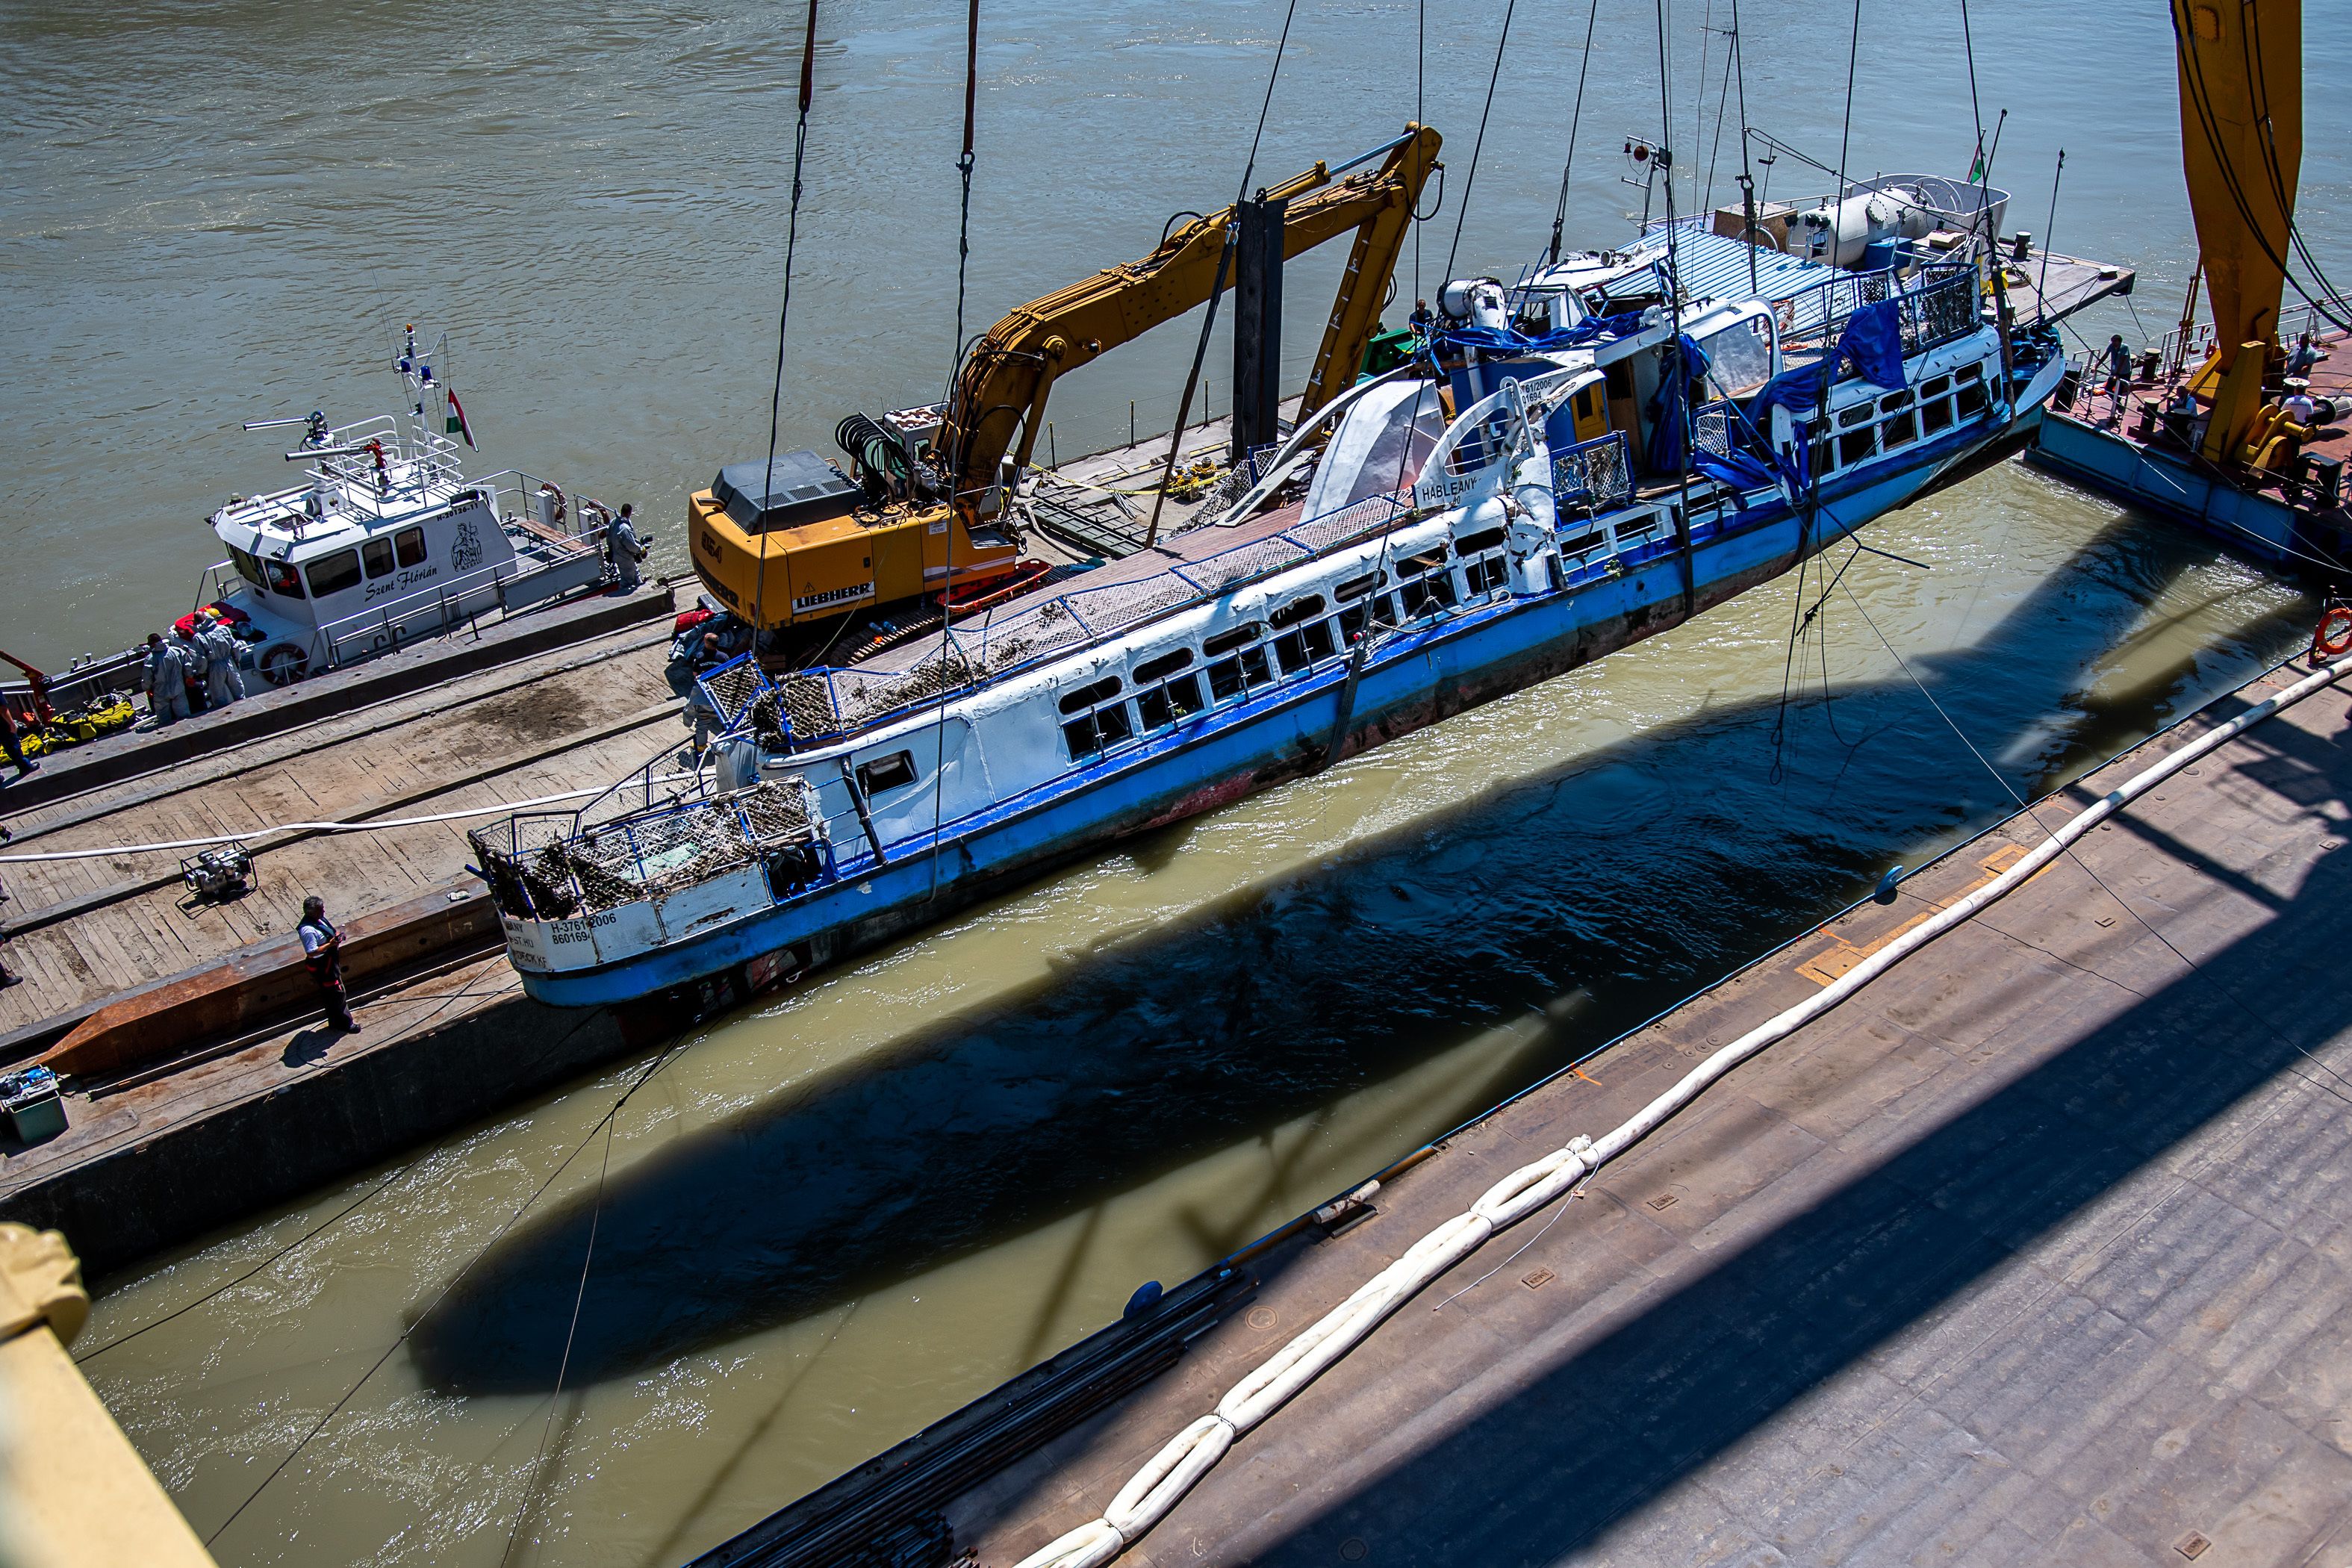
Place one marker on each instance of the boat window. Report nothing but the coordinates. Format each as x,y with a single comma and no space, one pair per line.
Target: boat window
883,774
1151,669
1163,705
1298,610
1895,400
1414,564
1739,357
1859,413
1936,388
1900,431
376,555
408,544
333,573
1227,641
1972,372
1582,542
1232,676
1435,591
1352,621
1824,456
248,567
1297,651
1357,587
1484,576
1091,733
1472,543
1087,696
1856,444
1936,416
1972,400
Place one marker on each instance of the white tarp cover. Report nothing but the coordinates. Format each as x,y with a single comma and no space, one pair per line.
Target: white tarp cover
1369,455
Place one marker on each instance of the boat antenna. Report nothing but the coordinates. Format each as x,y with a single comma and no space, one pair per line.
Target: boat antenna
1217,288
784,314
946,590
1471,184
2042,286
1575,119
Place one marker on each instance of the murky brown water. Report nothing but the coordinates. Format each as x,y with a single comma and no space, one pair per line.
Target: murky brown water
829,1221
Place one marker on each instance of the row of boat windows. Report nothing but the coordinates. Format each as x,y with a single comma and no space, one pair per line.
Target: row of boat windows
1294,636
333,573
1890,422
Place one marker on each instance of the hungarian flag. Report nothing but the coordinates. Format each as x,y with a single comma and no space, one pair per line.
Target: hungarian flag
456,423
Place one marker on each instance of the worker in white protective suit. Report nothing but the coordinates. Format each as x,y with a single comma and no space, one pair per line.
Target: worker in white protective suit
165,678
224,679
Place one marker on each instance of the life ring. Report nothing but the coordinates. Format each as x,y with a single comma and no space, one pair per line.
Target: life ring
2332,638
551,489
283,663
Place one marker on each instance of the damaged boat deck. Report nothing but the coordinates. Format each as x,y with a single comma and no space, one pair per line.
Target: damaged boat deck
2036,1250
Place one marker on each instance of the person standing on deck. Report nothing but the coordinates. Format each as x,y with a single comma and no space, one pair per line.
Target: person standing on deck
223,681
166,681
322,952
2303,356
199,662
623,549
2118,381
10,743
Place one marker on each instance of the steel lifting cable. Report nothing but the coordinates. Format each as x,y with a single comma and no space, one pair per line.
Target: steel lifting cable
1575,120
419,1321
785,312
1192,1453
946,594
1217,287
1471,182
110,850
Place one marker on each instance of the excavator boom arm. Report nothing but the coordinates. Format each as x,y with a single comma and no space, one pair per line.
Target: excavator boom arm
1001,391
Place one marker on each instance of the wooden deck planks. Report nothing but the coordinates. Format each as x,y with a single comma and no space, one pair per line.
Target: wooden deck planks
399,759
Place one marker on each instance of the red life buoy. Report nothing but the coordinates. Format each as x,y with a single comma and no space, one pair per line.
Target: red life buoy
2332,638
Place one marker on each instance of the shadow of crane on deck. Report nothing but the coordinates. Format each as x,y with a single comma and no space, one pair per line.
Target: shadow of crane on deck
1639,872
1561,1448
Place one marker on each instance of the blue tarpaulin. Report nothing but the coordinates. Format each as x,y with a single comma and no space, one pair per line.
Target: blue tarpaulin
1504,340
1872,342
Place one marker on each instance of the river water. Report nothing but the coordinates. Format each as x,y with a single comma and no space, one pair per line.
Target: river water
828,1220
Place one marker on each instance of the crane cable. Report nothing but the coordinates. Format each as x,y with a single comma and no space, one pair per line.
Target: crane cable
946,590
1471,182
785,313
1192,1453
1217,287
1575,120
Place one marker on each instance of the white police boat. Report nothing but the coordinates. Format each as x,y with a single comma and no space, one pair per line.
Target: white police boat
1572,463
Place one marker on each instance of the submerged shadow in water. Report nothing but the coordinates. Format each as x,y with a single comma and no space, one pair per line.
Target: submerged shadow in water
1637,872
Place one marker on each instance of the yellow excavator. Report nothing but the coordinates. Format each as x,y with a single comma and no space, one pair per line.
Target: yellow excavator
2241,64
922,508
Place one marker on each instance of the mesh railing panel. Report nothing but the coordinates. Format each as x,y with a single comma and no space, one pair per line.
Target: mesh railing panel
1348,523
1240,564
733,688
1597,473
622,862
1032,633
